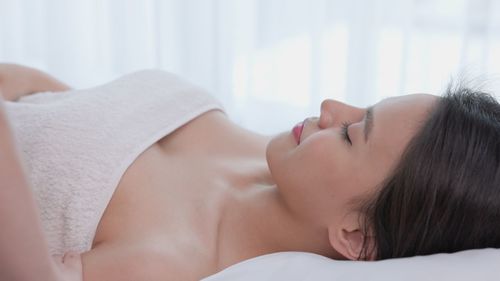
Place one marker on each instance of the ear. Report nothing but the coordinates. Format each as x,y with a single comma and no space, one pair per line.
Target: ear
348,240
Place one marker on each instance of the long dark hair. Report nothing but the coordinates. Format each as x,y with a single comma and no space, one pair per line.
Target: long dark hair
444,196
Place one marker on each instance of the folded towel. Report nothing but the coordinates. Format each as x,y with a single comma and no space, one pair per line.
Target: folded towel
76,145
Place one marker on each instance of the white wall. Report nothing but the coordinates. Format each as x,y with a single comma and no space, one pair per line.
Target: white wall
271,62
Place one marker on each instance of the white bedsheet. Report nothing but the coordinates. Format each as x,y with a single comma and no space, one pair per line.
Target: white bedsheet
298,266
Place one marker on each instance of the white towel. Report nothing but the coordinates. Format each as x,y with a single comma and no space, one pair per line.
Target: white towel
76,145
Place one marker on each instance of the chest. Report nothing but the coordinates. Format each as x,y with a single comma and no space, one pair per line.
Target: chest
174,193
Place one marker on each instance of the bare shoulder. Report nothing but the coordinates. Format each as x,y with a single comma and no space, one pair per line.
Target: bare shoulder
213,132
18,80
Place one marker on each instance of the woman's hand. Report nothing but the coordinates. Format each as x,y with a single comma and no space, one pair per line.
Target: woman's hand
17,81
69,266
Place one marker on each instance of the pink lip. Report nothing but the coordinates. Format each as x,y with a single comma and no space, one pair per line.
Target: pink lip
297,131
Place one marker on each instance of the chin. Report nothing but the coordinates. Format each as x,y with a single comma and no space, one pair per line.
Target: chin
279,144
278,150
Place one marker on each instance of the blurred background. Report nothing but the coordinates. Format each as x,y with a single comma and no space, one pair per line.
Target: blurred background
270,62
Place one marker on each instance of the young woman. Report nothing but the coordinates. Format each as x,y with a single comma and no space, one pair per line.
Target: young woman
147,179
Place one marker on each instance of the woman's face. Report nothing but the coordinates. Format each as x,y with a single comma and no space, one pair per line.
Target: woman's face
319,175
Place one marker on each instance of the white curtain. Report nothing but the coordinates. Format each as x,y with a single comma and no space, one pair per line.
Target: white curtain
271,62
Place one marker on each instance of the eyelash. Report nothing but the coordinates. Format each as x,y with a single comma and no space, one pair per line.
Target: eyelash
345,135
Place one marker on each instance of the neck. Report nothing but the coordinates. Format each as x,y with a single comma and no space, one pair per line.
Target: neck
257,222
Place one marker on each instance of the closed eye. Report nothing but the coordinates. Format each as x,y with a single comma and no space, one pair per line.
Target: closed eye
345,133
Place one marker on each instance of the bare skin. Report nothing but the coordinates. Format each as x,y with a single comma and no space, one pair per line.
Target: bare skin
213,194
186,166
205,196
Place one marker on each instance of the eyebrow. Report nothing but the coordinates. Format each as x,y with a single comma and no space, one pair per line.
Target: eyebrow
368,122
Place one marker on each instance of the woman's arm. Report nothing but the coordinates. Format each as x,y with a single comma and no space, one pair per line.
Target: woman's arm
17,81
24,252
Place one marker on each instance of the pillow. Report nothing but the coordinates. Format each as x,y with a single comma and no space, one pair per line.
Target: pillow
483,264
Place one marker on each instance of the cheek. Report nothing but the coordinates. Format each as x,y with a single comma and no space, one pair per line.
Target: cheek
324,179
336,178
322,161
324,158
314,178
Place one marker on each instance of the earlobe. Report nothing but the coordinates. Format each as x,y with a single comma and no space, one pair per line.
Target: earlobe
349,243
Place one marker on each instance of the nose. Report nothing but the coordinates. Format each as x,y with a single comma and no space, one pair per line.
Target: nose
334,112
328,109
